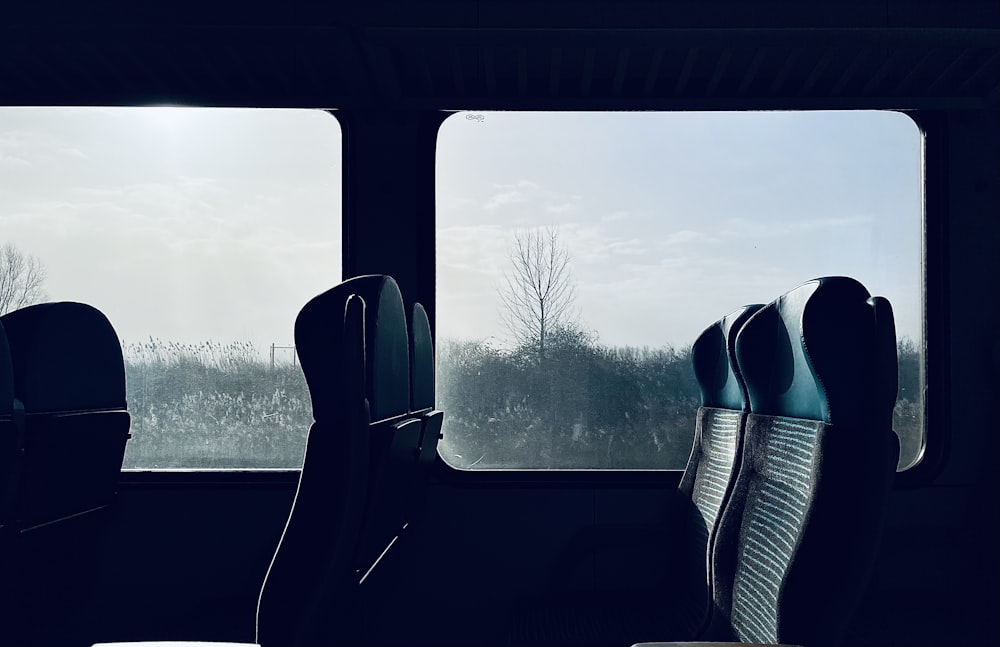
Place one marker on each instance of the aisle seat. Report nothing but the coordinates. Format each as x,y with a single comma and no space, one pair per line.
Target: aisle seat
799,536
680,608
69,377
352,343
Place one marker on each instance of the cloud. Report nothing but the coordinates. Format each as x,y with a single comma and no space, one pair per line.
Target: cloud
558,209
28,149
688,236
593,245
632,247
507,194
481,249
615,216
72,152
750,228
520,184
12,160
505,198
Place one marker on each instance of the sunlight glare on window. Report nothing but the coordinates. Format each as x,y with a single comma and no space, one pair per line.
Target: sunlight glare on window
199,232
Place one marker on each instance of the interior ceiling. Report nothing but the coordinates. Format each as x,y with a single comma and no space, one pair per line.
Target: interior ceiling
506,55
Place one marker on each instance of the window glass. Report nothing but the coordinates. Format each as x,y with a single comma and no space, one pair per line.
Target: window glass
581,254
199,233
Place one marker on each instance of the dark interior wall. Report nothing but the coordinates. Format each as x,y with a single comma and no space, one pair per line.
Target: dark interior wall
936,581
184,558
389,167
185,555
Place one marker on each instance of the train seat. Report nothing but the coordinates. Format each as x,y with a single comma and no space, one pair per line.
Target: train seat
352,343
395,451
354,352
406,455
10,439
710,469
799,535
681,609
69,377
422,397
400,488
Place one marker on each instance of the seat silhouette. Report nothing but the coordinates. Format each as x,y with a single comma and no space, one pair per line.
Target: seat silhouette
354,352
799,535
11,431
680,610
352,343
706,483
402,452
422,394
394,480
69,377
404,455
710,469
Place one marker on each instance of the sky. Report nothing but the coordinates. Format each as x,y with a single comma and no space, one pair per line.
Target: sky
185,225
191,225
672,220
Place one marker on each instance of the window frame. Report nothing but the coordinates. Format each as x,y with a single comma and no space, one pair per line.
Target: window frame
935,356
201,475
934,363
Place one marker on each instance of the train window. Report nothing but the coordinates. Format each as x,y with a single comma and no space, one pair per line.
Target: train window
199,233
580,254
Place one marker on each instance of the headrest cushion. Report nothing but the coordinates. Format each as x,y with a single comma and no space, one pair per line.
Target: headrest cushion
886,358
66,357
811,353
421,360
714,359
6,377
320,340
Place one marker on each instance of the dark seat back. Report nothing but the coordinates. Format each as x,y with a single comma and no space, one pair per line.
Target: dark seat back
10,440
69,376
799,533
353,349
422,393
705,484
407,452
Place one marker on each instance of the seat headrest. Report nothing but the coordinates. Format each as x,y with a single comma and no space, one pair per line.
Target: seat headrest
321,343
66,357
818,352
6,377
886,358
714,359
421,360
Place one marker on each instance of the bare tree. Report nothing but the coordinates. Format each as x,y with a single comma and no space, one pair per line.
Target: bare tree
22,279
539,294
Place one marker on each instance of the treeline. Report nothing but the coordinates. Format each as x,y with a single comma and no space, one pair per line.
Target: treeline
585,405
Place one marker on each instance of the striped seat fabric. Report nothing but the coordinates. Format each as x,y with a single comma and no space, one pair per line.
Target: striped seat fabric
709,471
799,534
782,461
